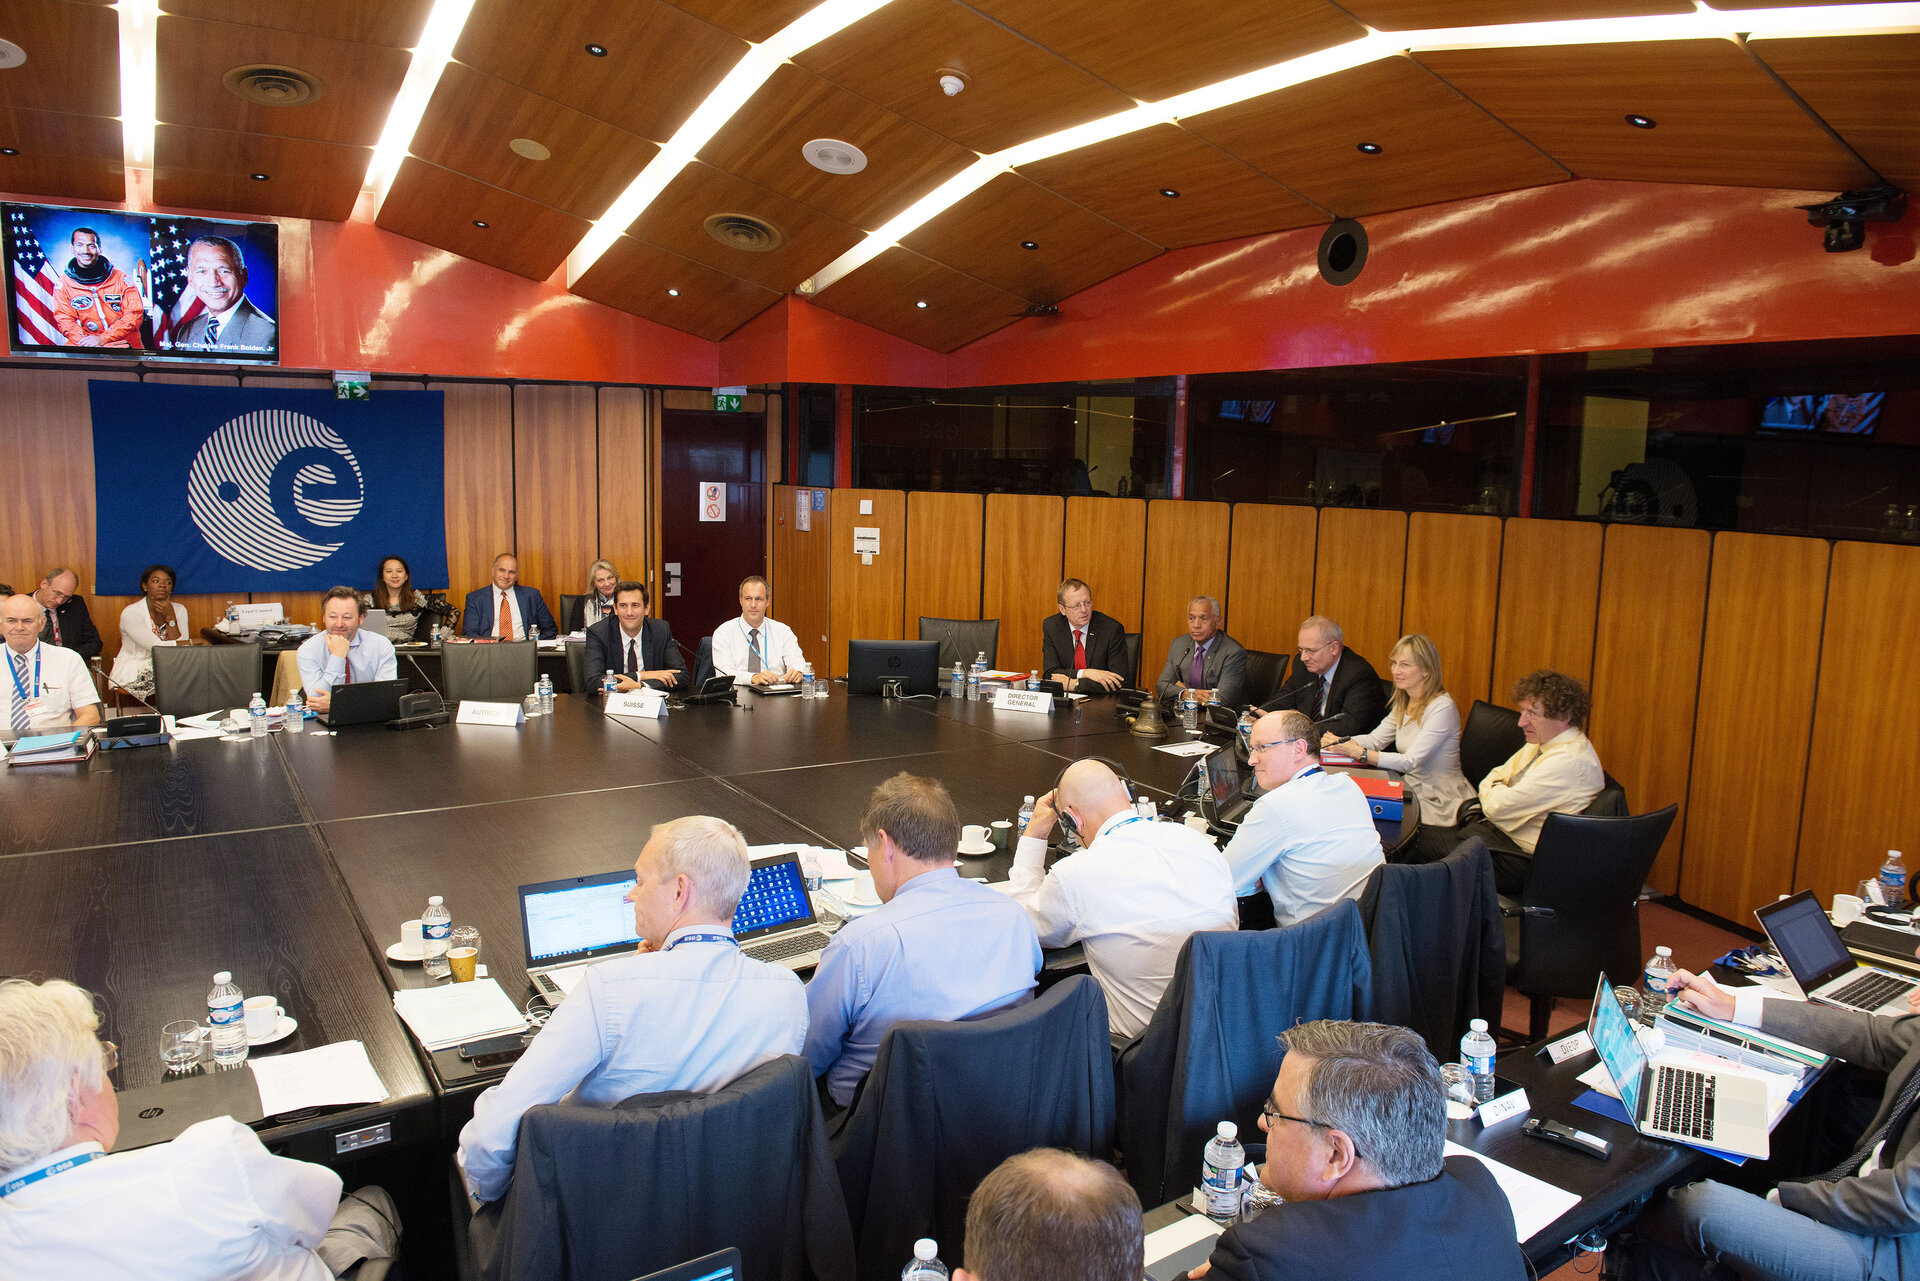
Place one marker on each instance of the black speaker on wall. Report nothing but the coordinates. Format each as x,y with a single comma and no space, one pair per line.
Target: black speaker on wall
1343,251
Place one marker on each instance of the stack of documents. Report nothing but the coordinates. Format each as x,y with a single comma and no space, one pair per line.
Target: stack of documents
52,749
331,1076
455,1013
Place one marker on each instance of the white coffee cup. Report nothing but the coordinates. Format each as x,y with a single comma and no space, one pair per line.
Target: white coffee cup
1197,822
863,888
262,1015
410,937
1847,908
973,834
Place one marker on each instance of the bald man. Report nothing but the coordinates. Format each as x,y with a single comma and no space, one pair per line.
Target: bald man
1132,896
45,686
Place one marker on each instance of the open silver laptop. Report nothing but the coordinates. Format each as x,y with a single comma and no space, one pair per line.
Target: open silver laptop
376,622
1721,1110
775,921
1799,930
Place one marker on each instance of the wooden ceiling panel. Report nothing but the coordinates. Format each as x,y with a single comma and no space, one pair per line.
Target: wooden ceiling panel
753,20
1416,15
1863,87
660,63
1219,197
763,142
635,277
71,157
472,118
1015,91
983,235
358,82
73,57
1154,49
439,207
1436,146
884,294
210,168
396,24
676,221
1720,119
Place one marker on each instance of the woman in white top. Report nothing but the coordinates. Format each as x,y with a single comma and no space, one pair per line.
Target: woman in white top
156,620
1423,729
598,602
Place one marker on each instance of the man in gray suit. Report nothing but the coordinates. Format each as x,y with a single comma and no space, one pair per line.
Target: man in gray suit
218,273
1205,660
1858,1219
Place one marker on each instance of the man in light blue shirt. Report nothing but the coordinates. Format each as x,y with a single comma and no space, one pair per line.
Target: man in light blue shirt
343,653
685,1012
939,947
1310,839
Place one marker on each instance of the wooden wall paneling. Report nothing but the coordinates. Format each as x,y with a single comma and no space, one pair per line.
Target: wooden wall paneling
46,460
797,569
555,492
1106,547
626,425
1270,588
1549,591
1359,567
1856,812
1646,669
1021,570
1758,661
479,482
864,600
1186,557
943,558
1453,595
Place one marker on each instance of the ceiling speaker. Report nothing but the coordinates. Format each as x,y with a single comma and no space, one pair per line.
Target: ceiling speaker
11,54
834,156
266,85
744,231
1343,252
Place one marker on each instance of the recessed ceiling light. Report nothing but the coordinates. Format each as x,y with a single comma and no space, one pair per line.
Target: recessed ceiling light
480,223
258,177
834,156
921,305
1370,148
1029,244
9,151
1641,122
1169,193
528,149
11,54
597,50
673,293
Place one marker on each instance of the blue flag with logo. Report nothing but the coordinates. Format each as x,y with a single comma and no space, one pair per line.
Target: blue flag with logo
250,490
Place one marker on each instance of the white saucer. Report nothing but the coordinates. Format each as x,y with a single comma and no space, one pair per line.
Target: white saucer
286,1028
851,901
401,952
984,847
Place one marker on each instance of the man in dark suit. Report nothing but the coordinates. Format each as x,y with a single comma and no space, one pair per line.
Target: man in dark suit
505,610
1356,1127
638,650
1206,660
67,622
1335,687
1857,1219
1083,649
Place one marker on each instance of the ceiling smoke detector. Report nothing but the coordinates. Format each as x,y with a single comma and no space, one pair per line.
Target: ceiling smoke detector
744,232
952,83
266,85
11,54
834,156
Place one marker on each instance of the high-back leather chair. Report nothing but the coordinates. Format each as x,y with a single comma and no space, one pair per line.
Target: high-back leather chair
565,616
1490,736
703,663
498,673
577,668
1132,674
1265,672
190,680
1439,952
962,638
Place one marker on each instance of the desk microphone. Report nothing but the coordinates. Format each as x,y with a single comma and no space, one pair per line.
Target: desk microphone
419,710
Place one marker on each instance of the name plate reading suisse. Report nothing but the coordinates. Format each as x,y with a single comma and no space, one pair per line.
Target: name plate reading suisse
1023,700
650,703
473,712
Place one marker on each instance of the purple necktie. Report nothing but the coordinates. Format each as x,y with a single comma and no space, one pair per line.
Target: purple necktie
1198,671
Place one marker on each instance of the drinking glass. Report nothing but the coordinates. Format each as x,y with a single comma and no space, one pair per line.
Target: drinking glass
180,1045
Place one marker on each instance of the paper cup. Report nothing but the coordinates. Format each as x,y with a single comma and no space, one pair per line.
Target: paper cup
462,960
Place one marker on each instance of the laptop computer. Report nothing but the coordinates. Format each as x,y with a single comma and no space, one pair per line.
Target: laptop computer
375,621
721,1265
363,703
570,923
1665,1100
775,921
1799,930
1223,790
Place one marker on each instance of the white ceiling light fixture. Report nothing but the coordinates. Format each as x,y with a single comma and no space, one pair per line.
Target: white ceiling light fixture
139,21
831,155
430,59
11,55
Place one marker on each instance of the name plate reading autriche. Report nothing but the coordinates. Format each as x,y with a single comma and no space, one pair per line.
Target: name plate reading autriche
1023,700
473,712
650,703
1504,1108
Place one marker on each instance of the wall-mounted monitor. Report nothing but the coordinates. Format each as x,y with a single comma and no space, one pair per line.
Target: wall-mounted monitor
106,284
1847,413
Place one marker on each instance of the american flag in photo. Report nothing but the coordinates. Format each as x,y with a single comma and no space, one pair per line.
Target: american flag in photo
33,284
175,304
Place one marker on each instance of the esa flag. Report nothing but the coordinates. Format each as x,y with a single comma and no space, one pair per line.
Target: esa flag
265,490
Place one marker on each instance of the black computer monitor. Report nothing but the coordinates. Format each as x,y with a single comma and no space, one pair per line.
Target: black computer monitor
914,663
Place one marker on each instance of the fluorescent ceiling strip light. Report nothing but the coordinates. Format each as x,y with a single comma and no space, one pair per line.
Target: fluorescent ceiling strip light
753,70
139,22
430,59
1702,24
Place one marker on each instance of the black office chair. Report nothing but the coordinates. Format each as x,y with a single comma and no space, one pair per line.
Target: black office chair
703,663
1132,674
565,616
1265,674
189,680
577,667
1612,801
1439,953
962,638
1490,736
1579,914
498,673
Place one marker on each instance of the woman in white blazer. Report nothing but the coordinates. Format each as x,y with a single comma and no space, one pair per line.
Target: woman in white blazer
1422,728
157,619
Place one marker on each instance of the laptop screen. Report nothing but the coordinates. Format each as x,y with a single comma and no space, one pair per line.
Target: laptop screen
577,918
1618,1047
1808,943
776,898
1223,777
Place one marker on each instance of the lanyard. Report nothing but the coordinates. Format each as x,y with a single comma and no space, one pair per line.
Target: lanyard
1127,822
13,670
758,652
701,938
1306,773
47,1172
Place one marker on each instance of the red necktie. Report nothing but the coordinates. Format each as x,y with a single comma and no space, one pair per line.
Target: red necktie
505,628
1079,649
633,665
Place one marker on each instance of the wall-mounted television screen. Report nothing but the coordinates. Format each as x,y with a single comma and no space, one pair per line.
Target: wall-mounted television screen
102,283
1848,413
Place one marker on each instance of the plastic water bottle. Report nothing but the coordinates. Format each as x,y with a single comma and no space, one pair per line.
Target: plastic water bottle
1220,1173
1026,816
979,670
436,926
226,1021
1893,880
610,683
806,680
296,719
1656,984
1189,712
546,694
257,716
925,1265
957,690
233,617
1476,1052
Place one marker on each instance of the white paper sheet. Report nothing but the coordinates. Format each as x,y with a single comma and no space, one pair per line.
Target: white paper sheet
1178,1236
1535,1202
1192,748
455,1013
326,1077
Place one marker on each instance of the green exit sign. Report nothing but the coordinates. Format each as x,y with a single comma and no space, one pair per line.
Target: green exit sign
729,400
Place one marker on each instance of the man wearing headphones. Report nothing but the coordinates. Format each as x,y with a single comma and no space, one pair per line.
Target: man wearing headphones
1133,895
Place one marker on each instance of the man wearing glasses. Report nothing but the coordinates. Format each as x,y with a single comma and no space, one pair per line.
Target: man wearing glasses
1310,838
1356,1126
1337,689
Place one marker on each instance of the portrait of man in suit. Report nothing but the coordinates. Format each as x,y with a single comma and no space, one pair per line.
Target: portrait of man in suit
217,272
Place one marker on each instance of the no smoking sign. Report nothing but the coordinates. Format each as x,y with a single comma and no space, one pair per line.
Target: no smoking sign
713,500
